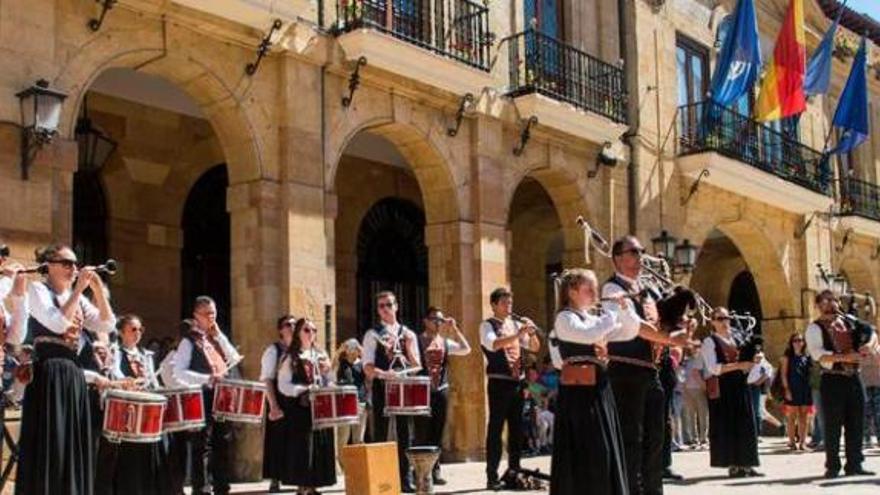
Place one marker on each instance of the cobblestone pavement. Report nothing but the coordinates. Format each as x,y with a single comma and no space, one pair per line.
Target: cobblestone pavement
786,473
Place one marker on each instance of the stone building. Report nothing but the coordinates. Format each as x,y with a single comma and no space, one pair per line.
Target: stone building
439,148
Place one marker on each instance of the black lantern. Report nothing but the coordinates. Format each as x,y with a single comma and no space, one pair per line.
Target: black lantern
840,285
664,245
94,146
40,116
686,256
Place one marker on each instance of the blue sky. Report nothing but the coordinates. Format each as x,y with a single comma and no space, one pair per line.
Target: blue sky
870,7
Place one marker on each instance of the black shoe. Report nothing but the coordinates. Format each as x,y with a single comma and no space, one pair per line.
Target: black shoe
407,488
830,474
494,485
751,473
858,471
736,472
438,480
274,487
669,474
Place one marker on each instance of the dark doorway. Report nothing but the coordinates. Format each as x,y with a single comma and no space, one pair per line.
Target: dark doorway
392,256
205,255
89,218
744,297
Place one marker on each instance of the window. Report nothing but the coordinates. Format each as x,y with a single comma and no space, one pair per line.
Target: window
691,59
545,16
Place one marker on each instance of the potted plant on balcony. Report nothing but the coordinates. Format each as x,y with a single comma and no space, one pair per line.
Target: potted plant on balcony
844,48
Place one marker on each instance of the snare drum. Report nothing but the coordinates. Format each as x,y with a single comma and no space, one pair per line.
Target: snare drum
240,401
133,416
334,405
185,409
408,396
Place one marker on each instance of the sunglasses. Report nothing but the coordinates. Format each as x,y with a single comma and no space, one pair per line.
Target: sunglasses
721,318
310,330
386,305
63,262
797,340
137,329
634,251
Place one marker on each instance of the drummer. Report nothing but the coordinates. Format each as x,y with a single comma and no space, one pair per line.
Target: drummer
205,357
309,460
388,348
130,468
440,339
273,440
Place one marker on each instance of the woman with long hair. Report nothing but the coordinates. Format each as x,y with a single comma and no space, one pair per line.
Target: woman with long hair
587,442
56,444
309,458
798,398
733,438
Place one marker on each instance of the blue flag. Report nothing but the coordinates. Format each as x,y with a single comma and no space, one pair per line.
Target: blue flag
852,109
818,76
740,59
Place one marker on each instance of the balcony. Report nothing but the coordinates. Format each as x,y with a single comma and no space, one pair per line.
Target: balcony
566,88
751,159
860,205
441,43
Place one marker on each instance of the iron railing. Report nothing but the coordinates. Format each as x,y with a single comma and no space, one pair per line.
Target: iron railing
707,126
858,197
458,29
542,64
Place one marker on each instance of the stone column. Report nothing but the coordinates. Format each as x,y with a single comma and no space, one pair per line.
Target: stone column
256,217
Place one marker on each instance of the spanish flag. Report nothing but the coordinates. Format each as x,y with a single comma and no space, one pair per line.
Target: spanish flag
782,89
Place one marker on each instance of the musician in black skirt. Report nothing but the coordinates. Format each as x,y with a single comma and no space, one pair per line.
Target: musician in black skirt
56,444
733,439
273,440
129,468
440,339
587,442
633,371
309,458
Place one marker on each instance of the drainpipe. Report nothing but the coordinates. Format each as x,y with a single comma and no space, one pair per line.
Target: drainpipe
632,108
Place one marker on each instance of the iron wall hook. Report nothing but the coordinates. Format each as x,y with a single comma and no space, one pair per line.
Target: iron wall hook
354,81
251,68
525,135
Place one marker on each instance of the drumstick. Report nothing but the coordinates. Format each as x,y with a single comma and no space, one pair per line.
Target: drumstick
407,371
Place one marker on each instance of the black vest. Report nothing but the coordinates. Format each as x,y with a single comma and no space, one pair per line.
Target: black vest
83,356
198,361
125,364
381,360
637,348
86,357
496,361
571,349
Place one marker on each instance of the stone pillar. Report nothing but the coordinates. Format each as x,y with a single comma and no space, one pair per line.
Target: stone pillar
256,251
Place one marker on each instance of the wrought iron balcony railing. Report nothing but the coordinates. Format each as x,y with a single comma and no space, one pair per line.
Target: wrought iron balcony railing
458,29
707,126
542,64
858,197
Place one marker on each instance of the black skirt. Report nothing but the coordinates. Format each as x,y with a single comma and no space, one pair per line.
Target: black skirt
132,469
273,447
733,440
309,456
56,443
587,443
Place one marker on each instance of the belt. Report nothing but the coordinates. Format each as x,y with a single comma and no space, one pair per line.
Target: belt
586,359
501,376
853,372
633,361
47,339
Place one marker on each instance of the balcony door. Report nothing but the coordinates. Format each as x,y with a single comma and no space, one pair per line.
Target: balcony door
545,50
692,67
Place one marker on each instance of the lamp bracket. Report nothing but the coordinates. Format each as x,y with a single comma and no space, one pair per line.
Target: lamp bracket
695,186
466,101
95,24
800,231
32,140
845,240
251,68
525,135
354,81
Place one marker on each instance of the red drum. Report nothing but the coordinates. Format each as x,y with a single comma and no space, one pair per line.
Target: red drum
334,405
408,396
133,416
239,400
185,409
